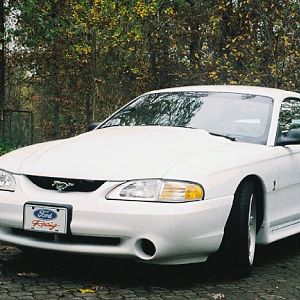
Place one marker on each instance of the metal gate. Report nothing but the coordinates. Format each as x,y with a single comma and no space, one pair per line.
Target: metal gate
17,127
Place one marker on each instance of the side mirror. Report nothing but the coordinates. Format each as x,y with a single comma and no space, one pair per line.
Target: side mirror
287,140
93,126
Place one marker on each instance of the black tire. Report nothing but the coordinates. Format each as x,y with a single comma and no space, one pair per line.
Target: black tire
237,249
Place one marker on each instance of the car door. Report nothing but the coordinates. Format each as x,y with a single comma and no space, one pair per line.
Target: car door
284,212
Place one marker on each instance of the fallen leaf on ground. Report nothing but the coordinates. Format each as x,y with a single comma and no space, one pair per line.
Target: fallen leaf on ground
30,274
85,291
97,288
7,248
218,296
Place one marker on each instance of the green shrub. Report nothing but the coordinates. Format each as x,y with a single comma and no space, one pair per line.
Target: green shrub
4,148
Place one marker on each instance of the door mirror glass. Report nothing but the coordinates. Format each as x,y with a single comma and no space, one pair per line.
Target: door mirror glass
93,126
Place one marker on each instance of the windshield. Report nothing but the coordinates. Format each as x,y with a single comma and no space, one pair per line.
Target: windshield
241,117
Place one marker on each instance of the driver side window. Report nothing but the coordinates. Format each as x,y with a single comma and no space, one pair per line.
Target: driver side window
289,117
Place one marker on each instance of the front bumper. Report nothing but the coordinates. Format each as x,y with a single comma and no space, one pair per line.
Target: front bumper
162,233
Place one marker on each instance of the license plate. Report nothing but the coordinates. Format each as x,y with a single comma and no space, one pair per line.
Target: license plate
45,218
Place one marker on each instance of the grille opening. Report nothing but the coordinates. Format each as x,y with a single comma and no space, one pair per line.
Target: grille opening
70,185
68,238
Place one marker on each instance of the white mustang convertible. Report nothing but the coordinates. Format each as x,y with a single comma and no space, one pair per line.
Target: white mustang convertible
171,178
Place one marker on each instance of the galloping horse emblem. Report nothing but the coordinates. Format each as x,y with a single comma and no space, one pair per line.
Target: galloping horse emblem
61,186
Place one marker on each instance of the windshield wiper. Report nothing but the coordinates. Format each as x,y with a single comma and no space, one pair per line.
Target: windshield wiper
107,126
226,136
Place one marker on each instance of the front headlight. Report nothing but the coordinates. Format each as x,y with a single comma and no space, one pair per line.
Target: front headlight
157,190
7,181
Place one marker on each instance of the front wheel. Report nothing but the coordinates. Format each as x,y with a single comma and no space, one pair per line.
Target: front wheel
236,253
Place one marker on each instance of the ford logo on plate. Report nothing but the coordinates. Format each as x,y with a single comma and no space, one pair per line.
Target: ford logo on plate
45,214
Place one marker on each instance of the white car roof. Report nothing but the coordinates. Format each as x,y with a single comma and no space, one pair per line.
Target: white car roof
263,91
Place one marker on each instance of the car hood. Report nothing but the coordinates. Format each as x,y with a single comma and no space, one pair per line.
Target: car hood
120,153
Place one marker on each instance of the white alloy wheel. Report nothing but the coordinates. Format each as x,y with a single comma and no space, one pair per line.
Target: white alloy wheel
252,229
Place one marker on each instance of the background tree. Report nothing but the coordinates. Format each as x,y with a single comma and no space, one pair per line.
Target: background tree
74,62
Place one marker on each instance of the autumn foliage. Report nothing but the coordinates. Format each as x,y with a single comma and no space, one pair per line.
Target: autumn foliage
74,62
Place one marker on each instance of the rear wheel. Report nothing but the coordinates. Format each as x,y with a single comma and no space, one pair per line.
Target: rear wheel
236,253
